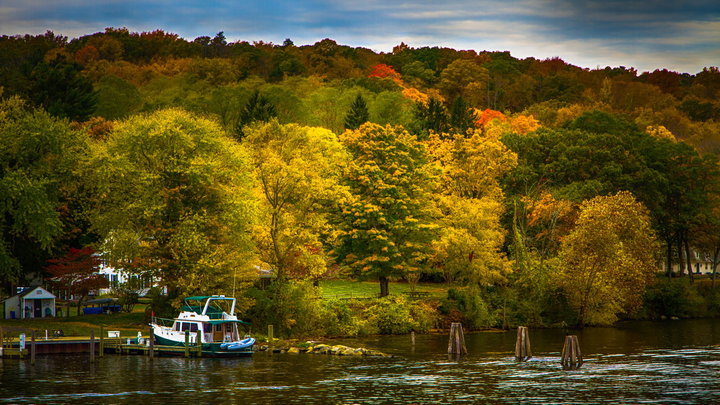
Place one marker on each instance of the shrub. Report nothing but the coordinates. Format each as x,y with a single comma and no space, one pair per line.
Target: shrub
475,311
396,315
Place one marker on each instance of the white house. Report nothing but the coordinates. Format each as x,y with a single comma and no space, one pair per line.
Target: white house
32,302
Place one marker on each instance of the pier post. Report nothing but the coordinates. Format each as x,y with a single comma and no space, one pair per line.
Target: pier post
270,334
198,342
102,341
92,345
187,343
522,345
151,343
571,357
456,343
32,348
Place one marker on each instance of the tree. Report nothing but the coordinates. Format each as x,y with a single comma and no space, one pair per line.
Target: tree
386,222
470,205
62,90
464,78
461,116
298,171
173,200
258,108
358,113
431,117
76,273
608,258
38,156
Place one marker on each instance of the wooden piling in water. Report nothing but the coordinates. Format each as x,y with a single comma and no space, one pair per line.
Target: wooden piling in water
571,357
92,345
102,342
187,343
522,344
151,344
32,347
198,343
270,333
456,342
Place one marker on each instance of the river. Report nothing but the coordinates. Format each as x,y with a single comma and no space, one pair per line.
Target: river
638,362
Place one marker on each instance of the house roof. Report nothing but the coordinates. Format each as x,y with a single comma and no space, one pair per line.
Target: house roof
28,291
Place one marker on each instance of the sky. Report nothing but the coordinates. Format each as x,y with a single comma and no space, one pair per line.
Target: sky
678,35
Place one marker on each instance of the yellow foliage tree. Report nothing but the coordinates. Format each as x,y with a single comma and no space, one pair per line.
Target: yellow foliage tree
471,205
298,170
608,258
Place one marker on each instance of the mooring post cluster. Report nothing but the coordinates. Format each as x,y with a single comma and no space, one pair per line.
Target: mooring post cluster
571,357
522,344
456,344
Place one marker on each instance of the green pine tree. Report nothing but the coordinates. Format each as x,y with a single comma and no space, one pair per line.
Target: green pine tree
258,108
358,113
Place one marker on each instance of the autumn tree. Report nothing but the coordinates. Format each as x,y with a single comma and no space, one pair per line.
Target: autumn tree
173,200
76,273
471,205
358,113
38,156
298,171
386,222
608,258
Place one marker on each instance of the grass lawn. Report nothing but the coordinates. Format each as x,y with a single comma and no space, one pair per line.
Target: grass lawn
366,289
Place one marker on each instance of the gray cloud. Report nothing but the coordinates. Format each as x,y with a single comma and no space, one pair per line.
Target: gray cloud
683,36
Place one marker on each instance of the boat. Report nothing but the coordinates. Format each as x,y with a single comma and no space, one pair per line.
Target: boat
211,319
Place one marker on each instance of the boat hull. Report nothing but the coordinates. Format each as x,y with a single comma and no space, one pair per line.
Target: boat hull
208,349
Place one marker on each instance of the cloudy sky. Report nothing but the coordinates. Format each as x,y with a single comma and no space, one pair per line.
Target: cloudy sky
678,35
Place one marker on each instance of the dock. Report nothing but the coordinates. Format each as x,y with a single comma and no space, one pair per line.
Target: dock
11,347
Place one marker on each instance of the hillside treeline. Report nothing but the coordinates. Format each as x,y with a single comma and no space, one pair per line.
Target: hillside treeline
543,192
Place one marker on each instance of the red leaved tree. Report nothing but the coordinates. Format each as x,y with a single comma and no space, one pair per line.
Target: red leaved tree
76,274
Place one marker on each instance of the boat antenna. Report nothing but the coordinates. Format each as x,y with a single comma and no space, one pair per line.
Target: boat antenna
234,274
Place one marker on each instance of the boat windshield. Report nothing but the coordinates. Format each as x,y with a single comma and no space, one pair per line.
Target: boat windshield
212,306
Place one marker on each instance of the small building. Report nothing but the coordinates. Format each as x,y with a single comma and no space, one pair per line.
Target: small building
32,302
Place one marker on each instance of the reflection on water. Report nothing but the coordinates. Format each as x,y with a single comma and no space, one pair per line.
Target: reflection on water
671,362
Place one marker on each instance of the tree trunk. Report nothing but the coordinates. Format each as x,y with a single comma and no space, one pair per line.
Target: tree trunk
681,260
689,259
384,286
668,268
716,256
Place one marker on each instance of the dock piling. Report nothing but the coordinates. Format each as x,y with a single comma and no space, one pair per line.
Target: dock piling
522,345
92,345
187,343
102,342
198,343
32,348
151,343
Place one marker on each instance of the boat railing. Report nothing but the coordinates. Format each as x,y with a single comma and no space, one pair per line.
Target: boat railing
167,322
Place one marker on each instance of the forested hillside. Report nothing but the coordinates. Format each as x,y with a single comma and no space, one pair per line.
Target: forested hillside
540,192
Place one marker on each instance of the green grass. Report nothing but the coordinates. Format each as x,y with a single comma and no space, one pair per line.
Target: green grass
367,289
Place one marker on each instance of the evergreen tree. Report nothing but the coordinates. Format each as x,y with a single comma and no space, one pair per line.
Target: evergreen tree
432,116
258,108
358,113
62,90
461,119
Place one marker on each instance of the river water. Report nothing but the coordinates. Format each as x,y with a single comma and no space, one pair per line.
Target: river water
673,362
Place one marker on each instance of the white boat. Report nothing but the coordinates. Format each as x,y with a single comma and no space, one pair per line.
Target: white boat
211,319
